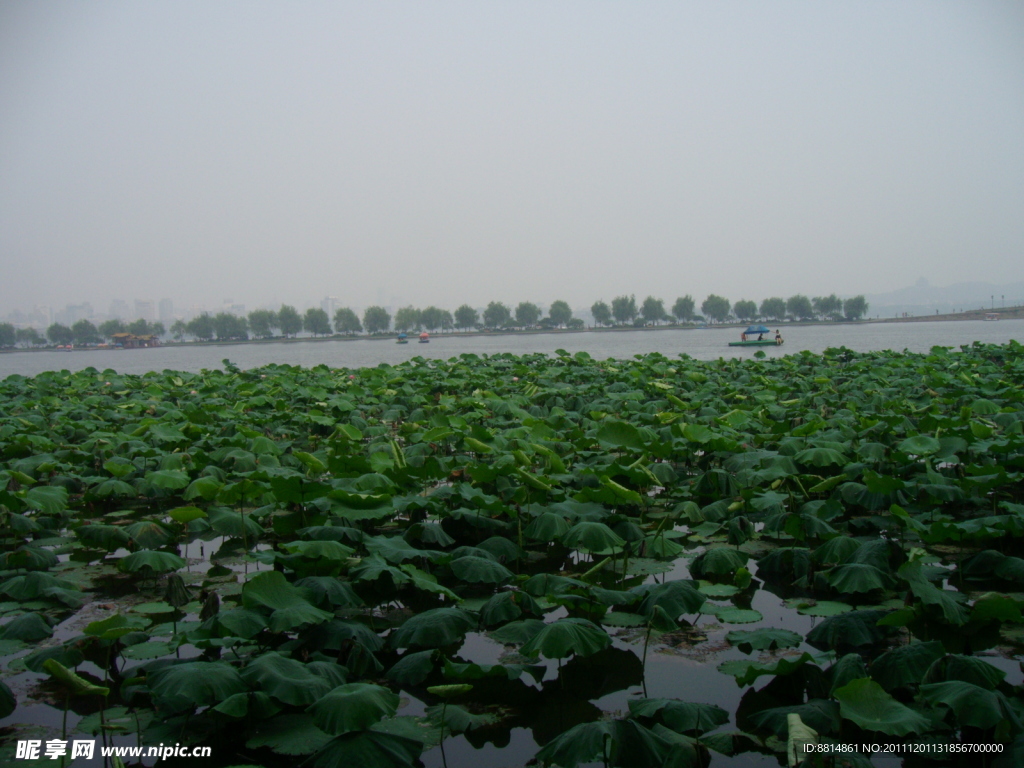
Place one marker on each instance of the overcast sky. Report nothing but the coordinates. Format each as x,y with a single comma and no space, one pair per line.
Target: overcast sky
443,152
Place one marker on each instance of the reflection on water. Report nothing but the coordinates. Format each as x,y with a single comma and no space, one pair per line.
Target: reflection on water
703,344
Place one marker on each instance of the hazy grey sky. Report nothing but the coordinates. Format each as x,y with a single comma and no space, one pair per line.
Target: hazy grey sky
450,152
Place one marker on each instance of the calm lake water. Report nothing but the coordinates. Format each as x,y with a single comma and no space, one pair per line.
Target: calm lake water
703,344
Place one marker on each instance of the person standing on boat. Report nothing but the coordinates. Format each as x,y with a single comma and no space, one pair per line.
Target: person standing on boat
760,337
778,336
743,335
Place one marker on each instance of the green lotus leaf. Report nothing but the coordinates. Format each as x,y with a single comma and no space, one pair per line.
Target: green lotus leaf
835,551
155,562
454,718
329,591
507,606
186,514
49,499
288,735
821,457
853,578
435,628
546,527
28,627
746,672
395,549
412,669
543,584
676,598
287,680
615,742
906,665
592,537
680,716
69,655
971,705
108,537
517,632
856,629
967,669
168,479
567,637
75,685
184,686
238,622
478,672
36,586
820,714
289,605
429,533
151,534
620,434
719,561
866,703
369,749
29,558
920,445
8,703
765,639
254,704
730,614
353,707
234,524
478,570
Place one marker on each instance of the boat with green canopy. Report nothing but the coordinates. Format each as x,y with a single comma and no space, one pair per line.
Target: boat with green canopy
761,332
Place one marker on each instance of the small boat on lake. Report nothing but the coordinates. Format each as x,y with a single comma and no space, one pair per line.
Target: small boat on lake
760,331
402,339
424,338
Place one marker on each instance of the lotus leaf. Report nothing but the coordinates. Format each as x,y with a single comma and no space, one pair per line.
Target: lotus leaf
184,686
518,632
765,639
288,735
674,597
567,637
856,629
616,742
906,665
680,716
8,703
369,749
289,605
353,707
971,705
254,704
719,561
746,672
412,669
968,669
820,714
546,527
148,560
867,704
433,629
287,680
28,628
593,537
478,570
75,685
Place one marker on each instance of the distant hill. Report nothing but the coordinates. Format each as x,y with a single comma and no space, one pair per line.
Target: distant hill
924,299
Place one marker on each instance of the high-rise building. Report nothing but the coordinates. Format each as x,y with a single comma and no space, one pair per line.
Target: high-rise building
330,305
119,309
166,312
145,310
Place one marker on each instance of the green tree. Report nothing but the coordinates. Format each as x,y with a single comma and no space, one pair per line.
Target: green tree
8,335
157,329
228,326
799,307
624,308
29,337
289,320
139,327
527,314
575,324
466,317
432,318
602,313
653,310
716,308
262,323
496,315
85,332
201,327
773,309
178,329
376,320
60,334
560,312
347,321
855,308
828,307
745,310
683,309
407,319
109,327
447,322
316,322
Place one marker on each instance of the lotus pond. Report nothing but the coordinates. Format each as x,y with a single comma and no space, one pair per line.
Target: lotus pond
501,560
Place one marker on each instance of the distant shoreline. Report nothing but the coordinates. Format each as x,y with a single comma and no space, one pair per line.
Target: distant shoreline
1005,313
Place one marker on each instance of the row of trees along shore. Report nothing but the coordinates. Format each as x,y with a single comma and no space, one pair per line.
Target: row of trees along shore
288,322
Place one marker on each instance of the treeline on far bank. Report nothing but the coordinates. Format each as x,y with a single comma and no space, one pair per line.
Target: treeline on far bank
289,322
